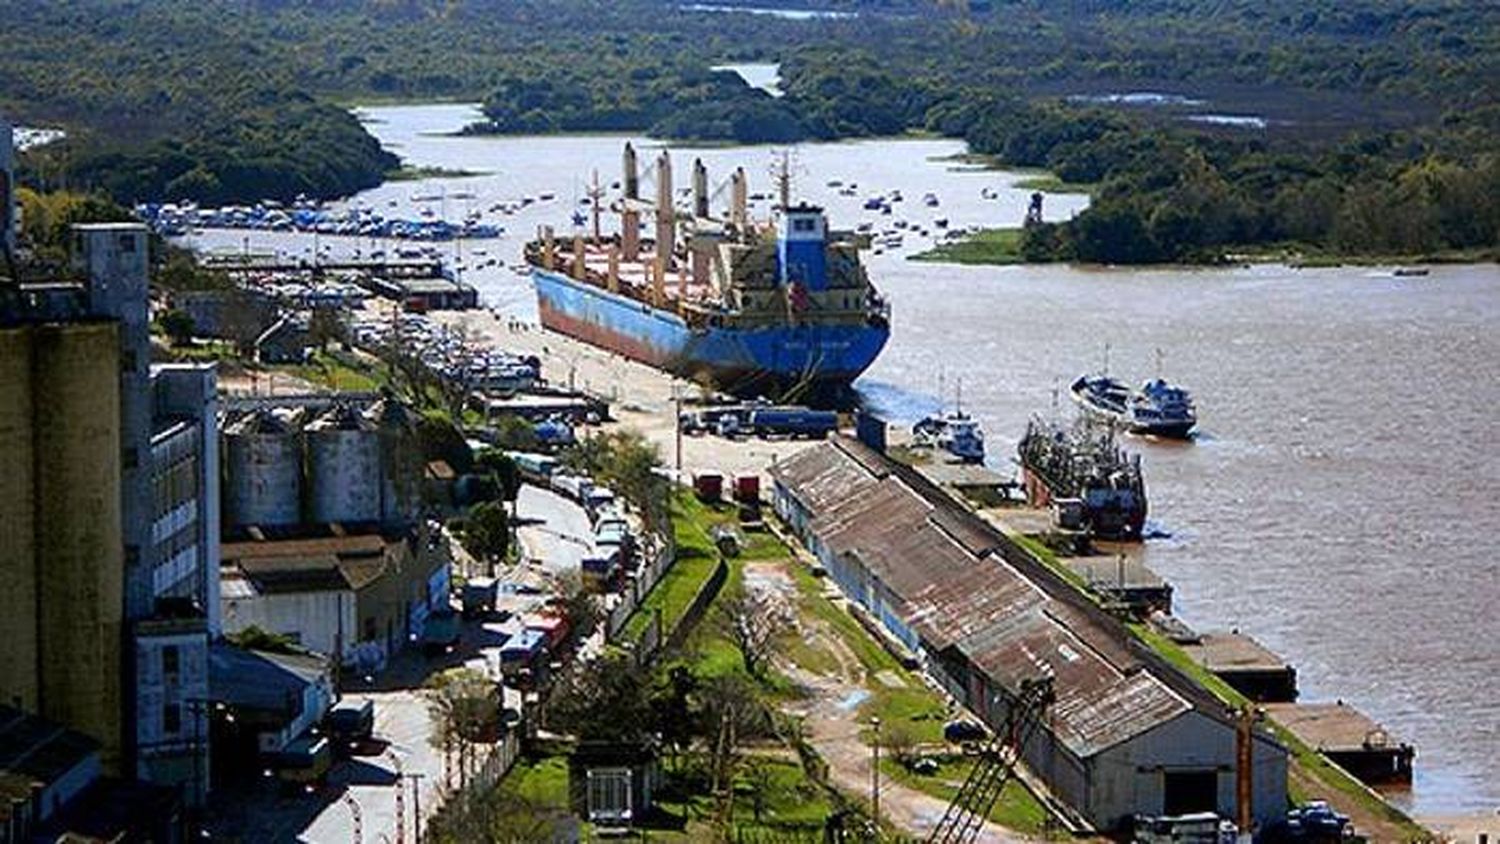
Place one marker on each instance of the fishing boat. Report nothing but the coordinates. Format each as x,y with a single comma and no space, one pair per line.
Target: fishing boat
955,432
1159,408
1081,466
784,309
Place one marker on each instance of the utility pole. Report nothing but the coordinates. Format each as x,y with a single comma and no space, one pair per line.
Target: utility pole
677,426
1244,775
875,776
416,805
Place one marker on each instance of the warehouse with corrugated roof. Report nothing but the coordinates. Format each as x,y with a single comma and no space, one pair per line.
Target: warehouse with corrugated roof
1126,734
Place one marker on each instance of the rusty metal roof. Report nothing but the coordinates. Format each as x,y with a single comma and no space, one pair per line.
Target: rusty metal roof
951,580
822,477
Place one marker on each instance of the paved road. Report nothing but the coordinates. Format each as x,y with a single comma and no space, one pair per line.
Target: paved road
555,531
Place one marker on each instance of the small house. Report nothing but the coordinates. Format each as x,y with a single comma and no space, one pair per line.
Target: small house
611,784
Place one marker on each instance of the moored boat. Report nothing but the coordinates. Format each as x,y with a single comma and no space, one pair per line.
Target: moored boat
784,309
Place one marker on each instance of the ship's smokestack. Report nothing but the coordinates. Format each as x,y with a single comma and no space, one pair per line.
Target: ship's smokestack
739,200
700,189
632,175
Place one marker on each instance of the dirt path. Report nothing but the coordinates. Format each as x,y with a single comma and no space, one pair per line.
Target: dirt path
830,711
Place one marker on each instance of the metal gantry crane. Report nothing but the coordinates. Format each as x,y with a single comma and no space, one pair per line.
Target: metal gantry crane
994,767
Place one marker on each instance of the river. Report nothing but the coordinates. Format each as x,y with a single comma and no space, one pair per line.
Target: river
1341,502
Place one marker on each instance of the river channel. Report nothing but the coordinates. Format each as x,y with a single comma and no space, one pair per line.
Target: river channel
1342,502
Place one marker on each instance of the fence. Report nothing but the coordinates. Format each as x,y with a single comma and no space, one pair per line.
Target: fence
699,605
641,586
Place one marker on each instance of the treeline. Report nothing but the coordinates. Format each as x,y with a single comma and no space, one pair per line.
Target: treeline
1170,194
225,101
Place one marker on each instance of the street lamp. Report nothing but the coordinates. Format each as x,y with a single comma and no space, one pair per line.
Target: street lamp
875,774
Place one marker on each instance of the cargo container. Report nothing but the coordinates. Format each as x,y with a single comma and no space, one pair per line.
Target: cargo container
708,486
747,489
600,568
554,629
522,650
793,422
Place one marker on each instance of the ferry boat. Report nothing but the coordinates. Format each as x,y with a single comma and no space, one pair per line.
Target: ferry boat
784,309
1081,466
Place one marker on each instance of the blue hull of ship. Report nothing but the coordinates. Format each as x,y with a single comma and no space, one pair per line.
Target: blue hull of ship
810,362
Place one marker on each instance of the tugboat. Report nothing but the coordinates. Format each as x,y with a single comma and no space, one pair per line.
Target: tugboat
956,433
1082,464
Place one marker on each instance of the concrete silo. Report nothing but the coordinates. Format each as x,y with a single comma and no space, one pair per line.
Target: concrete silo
343,468
400,461
263,466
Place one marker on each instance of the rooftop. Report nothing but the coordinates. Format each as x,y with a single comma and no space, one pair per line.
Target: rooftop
35,752
960,584
260,680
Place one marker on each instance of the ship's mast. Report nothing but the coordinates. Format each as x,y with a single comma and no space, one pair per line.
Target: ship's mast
630,218
783,173
595,194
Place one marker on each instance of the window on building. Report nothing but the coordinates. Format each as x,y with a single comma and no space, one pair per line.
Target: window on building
803,225
171,719
170,662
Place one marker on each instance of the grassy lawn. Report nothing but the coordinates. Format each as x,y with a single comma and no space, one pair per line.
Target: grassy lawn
337,371
1016,809
989,246
541,781
1049,183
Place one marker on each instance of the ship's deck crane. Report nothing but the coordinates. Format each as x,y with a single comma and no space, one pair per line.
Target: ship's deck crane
995,767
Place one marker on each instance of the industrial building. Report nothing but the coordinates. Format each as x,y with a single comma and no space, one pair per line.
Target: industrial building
358,598
313,461
109,470
325,539
1127,733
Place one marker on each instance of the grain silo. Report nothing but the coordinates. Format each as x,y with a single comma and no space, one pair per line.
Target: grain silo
400,461
263,471
343,468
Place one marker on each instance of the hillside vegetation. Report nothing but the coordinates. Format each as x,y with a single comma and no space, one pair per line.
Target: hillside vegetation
1380,114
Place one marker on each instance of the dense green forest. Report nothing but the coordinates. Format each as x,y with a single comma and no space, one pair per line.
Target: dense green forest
1381,114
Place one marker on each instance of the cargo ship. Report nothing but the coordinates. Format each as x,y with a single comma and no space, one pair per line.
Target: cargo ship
783,310
1081,467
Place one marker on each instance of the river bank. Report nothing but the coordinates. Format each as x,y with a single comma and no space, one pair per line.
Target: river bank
1003,247
1303,485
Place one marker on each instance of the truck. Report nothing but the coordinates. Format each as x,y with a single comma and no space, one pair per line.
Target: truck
576,487
598,500
479,596
793,422
536,468
441,632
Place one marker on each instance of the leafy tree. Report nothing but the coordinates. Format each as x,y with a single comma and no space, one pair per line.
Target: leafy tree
487,532
178,326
